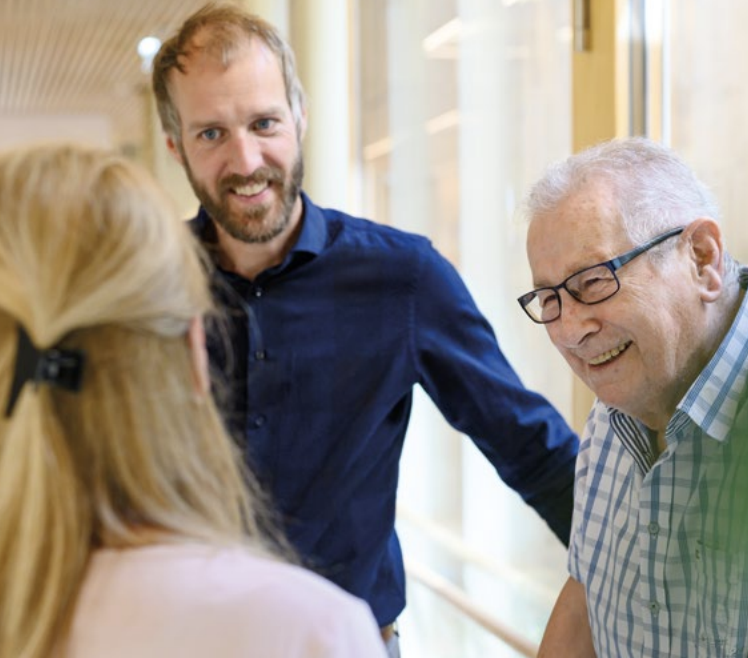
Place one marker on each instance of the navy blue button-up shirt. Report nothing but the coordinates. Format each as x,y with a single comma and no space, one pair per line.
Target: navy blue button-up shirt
325,350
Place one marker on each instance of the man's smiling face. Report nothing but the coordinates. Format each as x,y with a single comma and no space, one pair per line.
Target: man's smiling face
635,350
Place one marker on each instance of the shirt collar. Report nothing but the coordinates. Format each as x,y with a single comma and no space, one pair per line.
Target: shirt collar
714,398
313,234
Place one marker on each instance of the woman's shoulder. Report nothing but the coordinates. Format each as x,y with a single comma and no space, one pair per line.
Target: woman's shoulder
218,598
209,574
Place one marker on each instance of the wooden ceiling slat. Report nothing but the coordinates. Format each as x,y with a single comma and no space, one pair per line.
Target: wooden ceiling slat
79,56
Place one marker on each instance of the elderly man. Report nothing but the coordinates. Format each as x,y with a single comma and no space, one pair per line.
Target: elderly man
636,290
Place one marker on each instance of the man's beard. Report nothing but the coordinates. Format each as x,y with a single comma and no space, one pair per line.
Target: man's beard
258,224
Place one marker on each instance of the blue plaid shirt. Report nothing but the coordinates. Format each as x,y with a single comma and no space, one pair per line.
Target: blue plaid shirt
660,544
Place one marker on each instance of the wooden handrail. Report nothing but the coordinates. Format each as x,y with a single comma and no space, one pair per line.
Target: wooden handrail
462,550
457,598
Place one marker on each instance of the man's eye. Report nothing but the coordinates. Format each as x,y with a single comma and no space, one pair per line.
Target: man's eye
546,298
263,125
210,135
595,282
592,281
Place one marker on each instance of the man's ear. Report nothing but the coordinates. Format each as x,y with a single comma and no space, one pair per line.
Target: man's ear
171,145
707,254
200,373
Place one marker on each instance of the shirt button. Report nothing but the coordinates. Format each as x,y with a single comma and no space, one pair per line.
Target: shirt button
258,292
654,528
258,421
654,607
260,355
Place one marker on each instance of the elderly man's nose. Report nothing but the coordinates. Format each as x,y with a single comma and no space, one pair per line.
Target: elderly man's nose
577,321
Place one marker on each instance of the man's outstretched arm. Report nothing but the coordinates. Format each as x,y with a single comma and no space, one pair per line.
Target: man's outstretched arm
568,633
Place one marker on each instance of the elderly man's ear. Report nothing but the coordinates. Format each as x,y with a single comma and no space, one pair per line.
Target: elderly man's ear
706,251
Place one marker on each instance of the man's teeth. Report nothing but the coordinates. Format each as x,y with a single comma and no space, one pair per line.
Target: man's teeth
250,190
611,354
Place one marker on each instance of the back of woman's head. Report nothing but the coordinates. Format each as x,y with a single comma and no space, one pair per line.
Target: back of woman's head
87,239
92,258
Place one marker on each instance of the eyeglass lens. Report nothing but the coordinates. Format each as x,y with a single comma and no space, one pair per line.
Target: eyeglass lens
589,286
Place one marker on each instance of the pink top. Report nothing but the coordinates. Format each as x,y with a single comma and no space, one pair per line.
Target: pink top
191,600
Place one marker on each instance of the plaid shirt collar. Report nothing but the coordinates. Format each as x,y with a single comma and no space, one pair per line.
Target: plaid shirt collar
714,399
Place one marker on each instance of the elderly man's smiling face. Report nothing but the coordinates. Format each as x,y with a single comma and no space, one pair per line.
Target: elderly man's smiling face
640,350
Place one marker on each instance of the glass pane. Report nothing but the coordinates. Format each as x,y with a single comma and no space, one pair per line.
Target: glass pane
708,99
463,104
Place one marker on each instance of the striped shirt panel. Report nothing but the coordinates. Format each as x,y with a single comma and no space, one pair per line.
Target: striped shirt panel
661,545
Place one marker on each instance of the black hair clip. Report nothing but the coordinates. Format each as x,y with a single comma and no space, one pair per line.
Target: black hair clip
63,368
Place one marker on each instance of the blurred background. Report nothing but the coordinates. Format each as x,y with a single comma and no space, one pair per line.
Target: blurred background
433,116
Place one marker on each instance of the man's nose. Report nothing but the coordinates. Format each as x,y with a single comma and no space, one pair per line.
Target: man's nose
245,154
577,322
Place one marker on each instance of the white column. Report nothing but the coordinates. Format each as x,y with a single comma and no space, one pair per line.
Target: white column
274,11
320,37
410,193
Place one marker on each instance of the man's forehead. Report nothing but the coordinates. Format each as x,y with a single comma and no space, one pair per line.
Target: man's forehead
211,47
593,197
584,229
590,210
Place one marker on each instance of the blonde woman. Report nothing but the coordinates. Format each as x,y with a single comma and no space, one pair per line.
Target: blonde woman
126,526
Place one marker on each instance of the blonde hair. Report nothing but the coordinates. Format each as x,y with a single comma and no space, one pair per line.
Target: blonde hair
92,257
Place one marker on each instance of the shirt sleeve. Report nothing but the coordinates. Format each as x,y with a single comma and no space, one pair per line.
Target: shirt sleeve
463,370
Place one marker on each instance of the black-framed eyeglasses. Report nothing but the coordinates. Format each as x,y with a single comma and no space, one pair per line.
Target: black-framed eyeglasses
591,285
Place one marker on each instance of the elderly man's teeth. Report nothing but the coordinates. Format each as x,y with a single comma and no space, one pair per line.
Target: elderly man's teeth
250,190
611,354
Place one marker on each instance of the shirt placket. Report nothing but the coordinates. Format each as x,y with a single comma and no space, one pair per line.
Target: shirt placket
655,505
256,356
